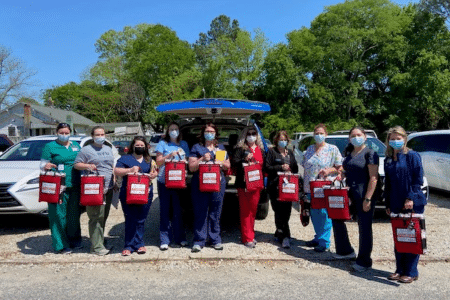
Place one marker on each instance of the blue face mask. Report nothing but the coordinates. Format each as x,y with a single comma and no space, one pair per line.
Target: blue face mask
209,136
99,140
173,134
396,144
282,144
63,138
357,141
319,138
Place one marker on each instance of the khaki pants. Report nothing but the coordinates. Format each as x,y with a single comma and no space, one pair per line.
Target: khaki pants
97,220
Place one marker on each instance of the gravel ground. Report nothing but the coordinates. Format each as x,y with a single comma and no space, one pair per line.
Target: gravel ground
26,239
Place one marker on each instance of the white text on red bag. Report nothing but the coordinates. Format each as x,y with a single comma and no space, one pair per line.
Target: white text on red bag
175,174
338,202
409,233
288,186
209,177
92,189
51,186
318,200
253,175
137,188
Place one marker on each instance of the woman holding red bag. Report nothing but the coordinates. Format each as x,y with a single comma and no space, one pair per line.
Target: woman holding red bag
137,160
250,150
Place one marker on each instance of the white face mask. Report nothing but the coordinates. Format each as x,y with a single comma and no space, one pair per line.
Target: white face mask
173,134
251,138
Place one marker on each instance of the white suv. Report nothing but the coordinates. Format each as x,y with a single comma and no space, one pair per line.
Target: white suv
19,174
434,148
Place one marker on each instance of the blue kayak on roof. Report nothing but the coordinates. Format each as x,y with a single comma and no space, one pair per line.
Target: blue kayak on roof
222,108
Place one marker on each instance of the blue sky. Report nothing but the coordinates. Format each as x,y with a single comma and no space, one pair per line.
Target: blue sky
56,38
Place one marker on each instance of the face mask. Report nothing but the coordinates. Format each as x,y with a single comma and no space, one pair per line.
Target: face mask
63,138
282,144
99,140
357,141
173,134
396,144
209,136
251,138
319,138
139,150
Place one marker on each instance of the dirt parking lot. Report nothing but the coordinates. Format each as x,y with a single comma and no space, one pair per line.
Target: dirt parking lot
26,239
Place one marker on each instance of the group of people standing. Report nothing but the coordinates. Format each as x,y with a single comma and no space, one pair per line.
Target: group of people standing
359,166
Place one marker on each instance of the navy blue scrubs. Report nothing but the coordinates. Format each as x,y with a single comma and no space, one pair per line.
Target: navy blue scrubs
207,206
404,178
135,214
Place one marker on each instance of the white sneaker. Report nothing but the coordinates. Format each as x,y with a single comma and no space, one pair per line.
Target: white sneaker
348,256
164,247
196,248
286,244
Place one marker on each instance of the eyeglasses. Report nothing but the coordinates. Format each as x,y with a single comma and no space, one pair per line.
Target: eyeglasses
63,125
252,133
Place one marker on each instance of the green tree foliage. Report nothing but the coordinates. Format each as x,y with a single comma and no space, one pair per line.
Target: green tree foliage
439,7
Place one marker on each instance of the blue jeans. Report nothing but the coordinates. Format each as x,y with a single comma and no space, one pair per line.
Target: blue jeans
170,227
406,264
322,225
135,216
343,246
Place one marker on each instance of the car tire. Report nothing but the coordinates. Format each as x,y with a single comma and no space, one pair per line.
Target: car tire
263,206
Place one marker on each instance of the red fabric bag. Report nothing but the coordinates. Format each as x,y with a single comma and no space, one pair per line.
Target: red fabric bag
338,203
288,187
209,177
175,174
409,233
92,188
253,175
318,200
51,185
137,188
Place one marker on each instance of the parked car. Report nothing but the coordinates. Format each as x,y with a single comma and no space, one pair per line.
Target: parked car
434,148
230,117
341,141
122,146
297,137
19,176
5,143
154,140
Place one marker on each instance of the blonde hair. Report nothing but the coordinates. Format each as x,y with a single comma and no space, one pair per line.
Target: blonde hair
242,142
400,131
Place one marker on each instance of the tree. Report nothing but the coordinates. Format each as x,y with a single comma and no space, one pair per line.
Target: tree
14,77
439,7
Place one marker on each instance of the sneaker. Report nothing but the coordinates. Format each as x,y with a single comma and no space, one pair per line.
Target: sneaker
184,244
164,247
312,243
359,268
254,241
249,244
321,249
65,251
196,248
218,246
102,252
286,243
347,256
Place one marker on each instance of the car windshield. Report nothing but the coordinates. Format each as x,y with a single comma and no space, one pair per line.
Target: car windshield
374,144
155,139
25,150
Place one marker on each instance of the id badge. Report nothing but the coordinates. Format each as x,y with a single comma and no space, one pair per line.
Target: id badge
60,167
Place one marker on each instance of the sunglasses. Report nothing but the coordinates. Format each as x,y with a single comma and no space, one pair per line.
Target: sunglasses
252,133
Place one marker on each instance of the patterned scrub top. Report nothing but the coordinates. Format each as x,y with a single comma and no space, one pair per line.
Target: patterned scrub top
327,157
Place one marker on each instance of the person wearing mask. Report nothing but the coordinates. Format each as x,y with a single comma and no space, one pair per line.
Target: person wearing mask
138,160
249,149
360,168
207,205
170,147
64,217
98,156
403,181
280,159
320,160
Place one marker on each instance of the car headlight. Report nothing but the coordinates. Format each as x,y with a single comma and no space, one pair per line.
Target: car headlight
33,181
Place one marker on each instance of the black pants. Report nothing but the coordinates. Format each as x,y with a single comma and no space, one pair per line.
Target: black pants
282,211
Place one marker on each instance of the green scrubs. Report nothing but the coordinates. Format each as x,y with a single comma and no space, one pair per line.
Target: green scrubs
64,218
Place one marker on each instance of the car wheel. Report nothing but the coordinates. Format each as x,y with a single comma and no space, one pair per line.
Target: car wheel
263,206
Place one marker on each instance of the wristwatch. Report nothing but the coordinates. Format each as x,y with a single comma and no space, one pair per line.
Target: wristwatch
367,200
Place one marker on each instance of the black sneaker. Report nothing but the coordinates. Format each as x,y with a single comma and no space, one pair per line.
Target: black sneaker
312,244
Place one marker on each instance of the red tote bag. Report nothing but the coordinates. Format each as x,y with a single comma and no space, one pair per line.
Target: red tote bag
288,187
51,185
209,177
318,200
409,233
175,174
92,188
338,202
137,188
254,179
